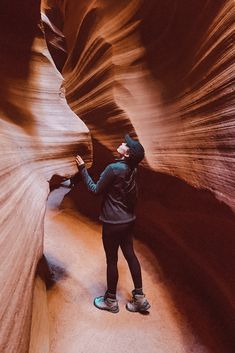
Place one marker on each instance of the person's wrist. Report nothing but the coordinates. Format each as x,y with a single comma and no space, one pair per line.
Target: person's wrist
81,166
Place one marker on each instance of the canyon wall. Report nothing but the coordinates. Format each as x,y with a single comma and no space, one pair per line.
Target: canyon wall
163,71
40,136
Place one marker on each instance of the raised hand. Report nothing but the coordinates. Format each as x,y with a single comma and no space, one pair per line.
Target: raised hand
79,160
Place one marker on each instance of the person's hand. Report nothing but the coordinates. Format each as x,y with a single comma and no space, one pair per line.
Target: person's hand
79,160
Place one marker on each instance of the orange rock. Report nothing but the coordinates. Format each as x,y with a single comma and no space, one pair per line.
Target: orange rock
40,137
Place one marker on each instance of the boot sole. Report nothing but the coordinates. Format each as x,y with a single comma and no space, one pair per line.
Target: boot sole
106,309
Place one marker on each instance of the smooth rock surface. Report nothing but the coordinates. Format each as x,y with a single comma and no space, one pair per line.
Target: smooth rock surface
39,137
165,71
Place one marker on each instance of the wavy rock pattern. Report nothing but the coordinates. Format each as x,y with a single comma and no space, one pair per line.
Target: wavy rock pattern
162,69
39,137
165,71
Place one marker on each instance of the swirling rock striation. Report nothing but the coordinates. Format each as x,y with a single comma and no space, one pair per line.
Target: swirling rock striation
164,71
39,137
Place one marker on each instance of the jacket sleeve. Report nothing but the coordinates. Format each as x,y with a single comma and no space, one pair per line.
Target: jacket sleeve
102,184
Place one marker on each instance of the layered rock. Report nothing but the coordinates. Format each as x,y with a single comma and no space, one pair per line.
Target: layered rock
40,136
164,71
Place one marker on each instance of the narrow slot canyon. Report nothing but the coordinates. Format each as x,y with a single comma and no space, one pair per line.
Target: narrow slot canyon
76,76
73,248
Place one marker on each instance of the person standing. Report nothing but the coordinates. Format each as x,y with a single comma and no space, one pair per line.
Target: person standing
117,184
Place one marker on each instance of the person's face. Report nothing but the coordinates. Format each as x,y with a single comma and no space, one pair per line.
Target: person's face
123,150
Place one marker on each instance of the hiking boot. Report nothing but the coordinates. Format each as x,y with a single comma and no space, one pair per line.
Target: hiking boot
138,303
106,303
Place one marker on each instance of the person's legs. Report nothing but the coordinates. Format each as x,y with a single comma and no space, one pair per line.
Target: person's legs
114,235
126,244
138,302
111,244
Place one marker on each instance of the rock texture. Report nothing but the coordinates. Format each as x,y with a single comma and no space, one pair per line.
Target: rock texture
39,137
161,69
165,71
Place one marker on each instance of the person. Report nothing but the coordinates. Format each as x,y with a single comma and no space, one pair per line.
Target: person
118,185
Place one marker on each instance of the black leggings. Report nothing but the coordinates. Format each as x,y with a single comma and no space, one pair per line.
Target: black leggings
115,235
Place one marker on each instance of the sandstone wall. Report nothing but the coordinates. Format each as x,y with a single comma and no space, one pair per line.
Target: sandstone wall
163,70
39,137
160,69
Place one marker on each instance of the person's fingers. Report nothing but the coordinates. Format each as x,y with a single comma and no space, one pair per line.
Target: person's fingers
79,160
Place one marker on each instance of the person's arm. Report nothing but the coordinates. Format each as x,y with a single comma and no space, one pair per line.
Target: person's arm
102,184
